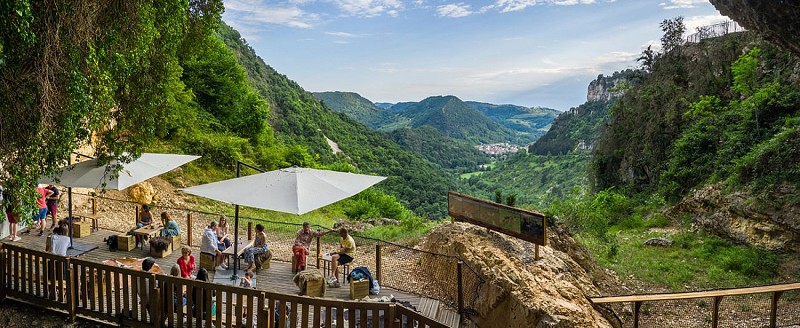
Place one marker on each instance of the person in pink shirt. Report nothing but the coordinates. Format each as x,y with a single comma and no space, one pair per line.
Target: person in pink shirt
40,218
186,262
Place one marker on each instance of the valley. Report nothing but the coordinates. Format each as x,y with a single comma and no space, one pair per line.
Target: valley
679,172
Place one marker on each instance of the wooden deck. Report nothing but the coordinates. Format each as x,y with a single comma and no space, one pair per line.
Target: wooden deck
278,278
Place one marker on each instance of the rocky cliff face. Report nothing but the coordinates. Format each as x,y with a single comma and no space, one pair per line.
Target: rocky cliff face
521,291
770,223
600,88
777,21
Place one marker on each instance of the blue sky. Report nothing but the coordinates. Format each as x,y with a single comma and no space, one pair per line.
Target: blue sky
523,52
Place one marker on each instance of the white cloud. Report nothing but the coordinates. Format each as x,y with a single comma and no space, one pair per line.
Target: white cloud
506,6
255,13
342,34
369,8
676,4
454,10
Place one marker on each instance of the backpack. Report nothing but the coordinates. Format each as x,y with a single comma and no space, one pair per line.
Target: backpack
111,241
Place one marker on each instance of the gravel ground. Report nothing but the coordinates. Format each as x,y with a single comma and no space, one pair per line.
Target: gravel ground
16,314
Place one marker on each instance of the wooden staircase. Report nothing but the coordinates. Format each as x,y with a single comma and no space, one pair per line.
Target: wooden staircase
432,308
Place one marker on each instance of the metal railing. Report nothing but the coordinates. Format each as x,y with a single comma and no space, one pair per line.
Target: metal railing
714,30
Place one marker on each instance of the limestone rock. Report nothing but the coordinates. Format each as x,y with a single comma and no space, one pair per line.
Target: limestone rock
658,242
767,221
142,193
775,20
520,291
601,88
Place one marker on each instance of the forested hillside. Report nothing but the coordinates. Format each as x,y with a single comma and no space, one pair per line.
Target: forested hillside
534,180
578,128
725,109
357,107
530,123
449,153
302,121
455,119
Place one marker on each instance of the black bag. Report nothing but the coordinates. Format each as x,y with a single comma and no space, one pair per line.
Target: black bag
111,241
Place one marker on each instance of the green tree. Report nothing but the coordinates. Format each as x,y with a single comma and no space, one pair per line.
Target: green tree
99,70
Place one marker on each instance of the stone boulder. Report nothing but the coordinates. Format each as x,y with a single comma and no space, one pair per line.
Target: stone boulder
142,193
768,221
520,291
658,242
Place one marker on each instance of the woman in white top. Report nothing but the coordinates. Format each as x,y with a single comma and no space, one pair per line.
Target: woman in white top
222,234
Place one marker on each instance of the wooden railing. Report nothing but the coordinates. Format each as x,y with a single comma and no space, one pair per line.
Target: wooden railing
774,291
138,299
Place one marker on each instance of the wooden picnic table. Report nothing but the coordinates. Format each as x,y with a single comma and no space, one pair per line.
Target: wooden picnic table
243,244
131,263
148,231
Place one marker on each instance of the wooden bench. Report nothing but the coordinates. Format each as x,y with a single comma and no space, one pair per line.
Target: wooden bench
85,218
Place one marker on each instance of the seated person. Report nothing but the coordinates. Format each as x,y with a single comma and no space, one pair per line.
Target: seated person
343,256
144,285
302,242
186,262
210,245
145,219
259,247
222,233
199,295
59,241
171,227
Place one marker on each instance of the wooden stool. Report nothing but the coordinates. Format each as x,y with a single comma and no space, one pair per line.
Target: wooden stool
207,261
262,260
126,243
327,269
175,243
294,263
81,229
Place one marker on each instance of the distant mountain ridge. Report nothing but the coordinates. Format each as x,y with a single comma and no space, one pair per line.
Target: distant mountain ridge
357,107
530,123
455,119
515,124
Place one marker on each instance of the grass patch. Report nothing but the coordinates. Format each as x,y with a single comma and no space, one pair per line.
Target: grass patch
693,261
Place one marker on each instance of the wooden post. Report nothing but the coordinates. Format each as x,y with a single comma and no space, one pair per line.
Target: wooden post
319,251
155,305
71,293
392,313
636,307
773,311
536,252
136,215
189,229
94,206
2,274
459,278
249,230
715,314
378,262
262,315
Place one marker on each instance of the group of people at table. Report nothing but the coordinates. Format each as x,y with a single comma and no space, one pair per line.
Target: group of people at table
216,240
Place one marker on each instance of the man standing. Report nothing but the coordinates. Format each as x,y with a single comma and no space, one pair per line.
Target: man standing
52,203
343,256
302,243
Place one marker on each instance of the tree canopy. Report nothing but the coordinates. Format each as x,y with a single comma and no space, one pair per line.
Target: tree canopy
99,71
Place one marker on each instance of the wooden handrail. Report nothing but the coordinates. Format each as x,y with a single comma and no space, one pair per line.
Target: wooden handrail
690,295
110,293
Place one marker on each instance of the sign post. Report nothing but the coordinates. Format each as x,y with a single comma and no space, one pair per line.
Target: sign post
516,222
